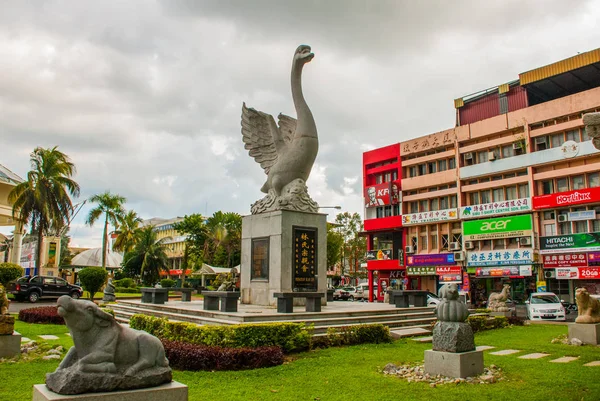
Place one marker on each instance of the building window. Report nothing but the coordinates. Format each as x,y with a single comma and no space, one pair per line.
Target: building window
584,135
434,242
388,177
562,184
498,194
423,206
452,201
414,207
486,245
565,228
511,193
435,204
432,167
457,237
549,215
547,187
444,203
469,159
451,163
388,211
394,175
422,169
485,196
499,243
507,151
442,165
581,227
594,180
444,241
524,191
541,143
578,182
595,226
573,135
482,156
557,140
379,212
379,179
412,171
549,229
474,198
423,243
396,208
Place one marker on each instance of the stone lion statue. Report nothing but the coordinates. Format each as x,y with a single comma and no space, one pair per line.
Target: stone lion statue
588,307
4,302
106,356
497,300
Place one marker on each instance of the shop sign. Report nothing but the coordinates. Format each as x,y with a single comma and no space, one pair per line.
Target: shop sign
565,260
540,286
568,198
589,273
466,282
420,270
377,195
431,259
430,217
506,257
397,274
431,141
501,227
525,271
449,274
570,243
379,254
497,272
578,273
495,208
583,215
594,258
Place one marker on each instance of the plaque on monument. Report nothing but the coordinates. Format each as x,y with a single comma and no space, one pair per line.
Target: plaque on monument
304,258
260,259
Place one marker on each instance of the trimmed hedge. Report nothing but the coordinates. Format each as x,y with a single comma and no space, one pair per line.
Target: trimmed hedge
185,356
127,290
291,337
124,282
361,334
43,314
481,323
167,283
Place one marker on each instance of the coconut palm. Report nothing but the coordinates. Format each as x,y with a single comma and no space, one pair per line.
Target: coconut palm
223,233
148,257
127,232
112,207
44,199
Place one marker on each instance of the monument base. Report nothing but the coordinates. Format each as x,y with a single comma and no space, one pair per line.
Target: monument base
462,364
588,333
10,345
173,391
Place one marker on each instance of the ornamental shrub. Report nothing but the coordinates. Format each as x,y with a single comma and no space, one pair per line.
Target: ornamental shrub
291,337
124,282
480,323
359,334
126,290
185,356
92,279
42,314
167,283
9,272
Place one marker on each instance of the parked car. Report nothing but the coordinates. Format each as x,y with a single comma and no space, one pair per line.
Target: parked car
362,292
432,299
37,287
545,306
340,293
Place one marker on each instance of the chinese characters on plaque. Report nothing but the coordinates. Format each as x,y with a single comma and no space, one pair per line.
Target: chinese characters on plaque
304,259
260,259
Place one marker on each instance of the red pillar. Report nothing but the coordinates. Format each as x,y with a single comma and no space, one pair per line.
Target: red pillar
370,285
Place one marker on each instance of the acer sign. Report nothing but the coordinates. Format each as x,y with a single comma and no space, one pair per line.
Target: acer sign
568,198
501,227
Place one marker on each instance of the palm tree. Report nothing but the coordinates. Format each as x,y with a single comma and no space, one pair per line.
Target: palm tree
43,199
127,232
112,207
223,230
149,256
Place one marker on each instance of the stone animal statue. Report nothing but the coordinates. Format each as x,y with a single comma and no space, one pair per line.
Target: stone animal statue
497,300
109,292
286,152
226,286
451,309
4,302
588,308
592,127
106,356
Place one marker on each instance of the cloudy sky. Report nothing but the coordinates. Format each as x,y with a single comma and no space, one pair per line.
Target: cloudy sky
145,96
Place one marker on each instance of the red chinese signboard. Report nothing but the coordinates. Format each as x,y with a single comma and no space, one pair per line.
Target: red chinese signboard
568,198
377,195
565,260
578,273
449,274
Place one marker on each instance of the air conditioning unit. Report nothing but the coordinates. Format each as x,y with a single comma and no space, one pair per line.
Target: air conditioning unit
409,249
562,218
491,156
550,273
469,245
459,256
469,156
525,241
454,246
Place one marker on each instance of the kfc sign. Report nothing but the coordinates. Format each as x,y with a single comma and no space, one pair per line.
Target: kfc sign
561,199
377,195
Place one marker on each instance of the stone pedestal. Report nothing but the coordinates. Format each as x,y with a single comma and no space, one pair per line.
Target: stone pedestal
454,364
10,345
173,391
277,227
453,337
587,333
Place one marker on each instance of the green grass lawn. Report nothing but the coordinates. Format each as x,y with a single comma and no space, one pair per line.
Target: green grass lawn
354,373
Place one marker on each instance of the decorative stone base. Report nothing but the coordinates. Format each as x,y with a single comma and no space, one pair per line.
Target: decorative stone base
463,364
587,333
505,313
10,345
173,391
453,337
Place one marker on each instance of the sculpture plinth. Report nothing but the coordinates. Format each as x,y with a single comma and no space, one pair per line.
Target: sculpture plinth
172,391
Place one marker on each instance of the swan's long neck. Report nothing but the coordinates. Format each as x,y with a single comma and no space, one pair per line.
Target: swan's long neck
306,123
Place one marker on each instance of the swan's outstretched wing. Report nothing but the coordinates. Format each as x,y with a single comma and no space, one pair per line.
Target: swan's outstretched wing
258,138
287,127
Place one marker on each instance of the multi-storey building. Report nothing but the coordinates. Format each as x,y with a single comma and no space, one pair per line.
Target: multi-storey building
509,195
175,242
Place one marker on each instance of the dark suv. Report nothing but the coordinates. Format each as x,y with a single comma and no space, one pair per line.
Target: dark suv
36,287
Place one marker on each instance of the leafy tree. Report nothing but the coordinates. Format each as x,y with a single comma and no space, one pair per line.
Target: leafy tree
92,279
44,199
127,233
335,240
148,258
195,229
354,246
9,272
65,254
112,207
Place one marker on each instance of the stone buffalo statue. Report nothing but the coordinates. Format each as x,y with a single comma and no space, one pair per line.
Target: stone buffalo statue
106,356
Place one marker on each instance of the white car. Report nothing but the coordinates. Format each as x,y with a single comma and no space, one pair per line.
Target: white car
545,306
